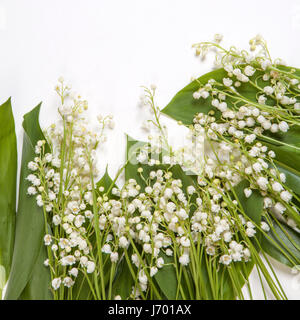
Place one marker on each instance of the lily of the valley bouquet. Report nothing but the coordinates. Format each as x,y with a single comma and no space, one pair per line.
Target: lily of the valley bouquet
185,223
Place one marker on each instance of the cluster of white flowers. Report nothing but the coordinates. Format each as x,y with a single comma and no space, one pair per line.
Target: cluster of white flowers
62,182
235,123
162,217
254,100
277,89
232,160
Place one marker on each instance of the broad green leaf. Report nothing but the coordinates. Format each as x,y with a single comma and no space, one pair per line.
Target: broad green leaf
292,176
166,278
107,183
252,206
242,271
132,149
289,69
291,137
183,106
39,281
2,278
123,281
286,155
30,225
289,242
8,169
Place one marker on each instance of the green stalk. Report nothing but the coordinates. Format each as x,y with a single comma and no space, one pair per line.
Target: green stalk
133,274
49,251
91,286
261,283
187,279
112,272
145,270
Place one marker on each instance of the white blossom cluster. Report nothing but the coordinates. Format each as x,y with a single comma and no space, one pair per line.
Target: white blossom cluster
162,218
277,88
232,159
235,123
61,181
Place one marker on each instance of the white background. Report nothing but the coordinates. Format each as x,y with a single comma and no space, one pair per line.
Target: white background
107,49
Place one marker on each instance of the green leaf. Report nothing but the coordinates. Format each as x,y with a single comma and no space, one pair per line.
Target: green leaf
166,278
291,137
252,206
27,263
183,106
123,281
132,149
107,183
286,155
8,169
292,176
287,239
39,281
